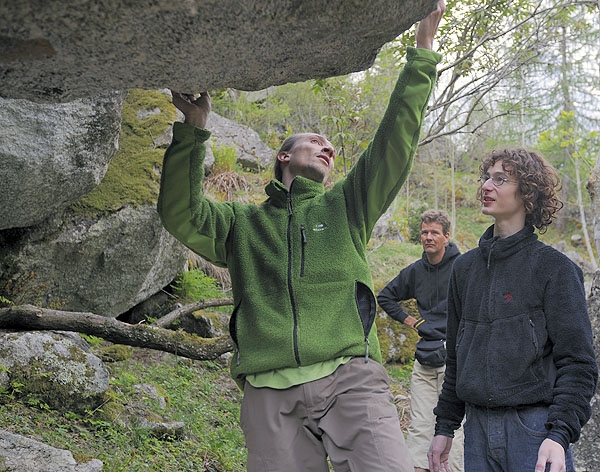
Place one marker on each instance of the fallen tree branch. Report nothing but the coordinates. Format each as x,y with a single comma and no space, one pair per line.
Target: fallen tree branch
29,317
180,311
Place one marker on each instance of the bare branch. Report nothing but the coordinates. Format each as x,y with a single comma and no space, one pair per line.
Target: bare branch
29,317
180,311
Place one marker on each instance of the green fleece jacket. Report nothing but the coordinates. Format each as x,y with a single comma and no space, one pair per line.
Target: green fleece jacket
301,283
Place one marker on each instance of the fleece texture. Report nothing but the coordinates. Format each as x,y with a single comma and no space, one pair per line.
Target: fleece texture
301,283
518,334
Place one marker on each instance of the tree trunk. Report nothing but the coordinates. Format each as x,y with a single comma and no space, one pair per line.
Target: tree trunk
593,187
582,218
28,317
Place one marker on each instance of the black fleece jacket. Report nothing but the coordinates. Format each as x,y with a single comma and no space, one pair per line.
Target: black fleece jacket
428,284
518,334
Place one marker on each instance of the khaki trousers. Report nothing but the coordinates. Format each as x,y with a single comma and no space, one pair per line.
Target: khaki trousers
425,387
347,416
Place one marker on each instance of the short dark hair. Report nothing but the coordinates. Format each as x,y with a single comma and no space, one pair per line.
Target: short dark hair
437,216
538,182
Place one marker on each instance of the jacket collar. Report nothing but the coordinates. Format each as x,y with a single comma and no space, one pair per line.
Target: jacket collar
449,255
301,189
493,247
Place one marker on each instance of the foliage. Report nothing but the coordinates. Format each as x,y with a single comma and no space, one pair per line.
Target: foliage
263,111
575,152
501,67
567,135
225,158
91,339
226,185
386,258
414,223
200,394
342,113
401,373
193,285
333,107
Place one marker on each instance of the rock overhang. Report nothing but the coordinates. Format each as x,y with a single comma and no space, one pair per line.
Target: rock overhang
59,51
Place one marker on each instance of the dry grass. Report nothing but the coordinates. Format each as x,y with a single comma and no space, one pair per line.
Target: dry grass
227,184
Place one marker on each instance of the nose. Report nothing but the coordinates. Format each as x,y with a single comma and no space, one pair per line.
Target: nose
488,184
329,151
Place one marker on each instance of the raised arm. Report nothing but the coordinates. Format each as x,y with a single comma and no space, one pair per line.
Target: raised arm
200,224
428,26
375,179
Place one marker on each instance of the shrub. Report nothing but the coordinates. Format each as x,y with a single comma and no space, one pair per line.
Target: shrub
225,158
195,285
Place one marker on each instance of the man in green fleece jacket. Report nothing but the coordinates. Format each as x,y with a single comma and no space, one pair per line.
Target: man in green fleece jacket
307,354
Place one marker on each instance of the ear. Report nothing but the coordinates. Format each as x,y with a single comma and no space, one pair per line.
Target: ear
283,156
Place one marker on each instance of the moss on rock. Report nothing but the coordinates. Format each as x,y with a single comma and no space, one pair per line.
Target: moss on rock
115,353
133,176
398,341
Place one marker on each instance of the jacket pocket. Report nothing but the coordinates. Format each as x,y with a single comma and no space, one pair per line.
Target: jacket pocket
431,353
367,306
233,332
515,360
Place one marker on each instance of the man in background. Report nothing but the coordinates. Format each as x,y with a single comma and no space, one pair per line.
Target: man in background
426,280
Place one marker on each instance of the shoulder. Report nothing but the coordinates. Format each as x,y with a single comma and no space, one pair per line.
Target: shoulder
413,267
551,260
462,266
467,258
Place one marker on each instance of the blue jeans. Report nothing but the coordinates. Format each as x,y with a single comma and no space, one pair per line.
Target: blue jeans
506,439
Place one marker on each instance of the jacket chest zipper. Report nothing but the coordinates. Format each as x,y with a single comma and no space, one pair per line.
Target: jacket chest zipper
289,277
303,234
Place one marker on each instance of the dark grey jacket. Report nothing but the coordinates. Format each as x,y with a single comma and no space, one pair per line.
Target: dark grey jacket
428,284
518,334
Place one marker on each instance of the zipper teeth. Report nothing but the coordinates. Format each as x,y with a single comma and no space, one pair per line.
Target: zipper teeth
303,234
290,289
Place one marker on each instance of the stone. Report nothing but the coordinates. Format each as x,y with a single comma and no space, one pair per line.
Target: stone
57,368
52,155
105,265
21,454
58,51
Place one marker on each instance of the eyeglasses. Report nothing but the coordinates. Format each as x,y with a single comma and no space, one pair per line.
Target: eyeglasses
497,180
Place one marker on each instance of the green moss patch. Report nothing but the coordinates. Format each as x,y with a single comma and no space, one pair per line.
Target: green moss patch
133,176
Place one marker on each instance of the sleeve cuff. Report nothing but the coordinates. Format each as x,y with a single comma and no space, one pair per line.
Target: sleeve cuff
183,131
422,53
